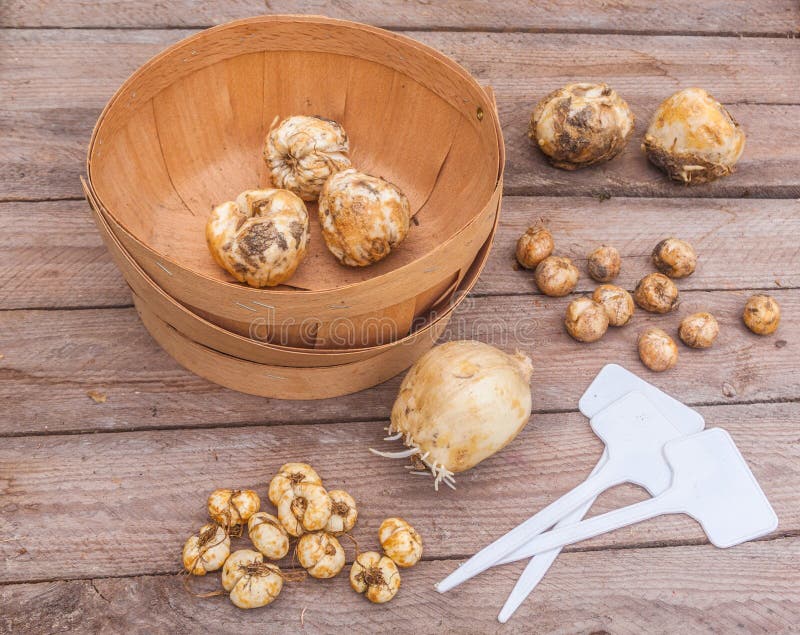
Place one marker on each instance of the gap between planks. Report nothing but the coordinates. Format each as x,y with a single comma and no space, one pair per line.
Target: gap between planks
422,28
653,544
334,421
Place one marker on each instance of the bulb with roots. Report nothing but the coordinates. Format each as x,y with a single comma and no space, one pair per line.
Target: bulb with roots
459,404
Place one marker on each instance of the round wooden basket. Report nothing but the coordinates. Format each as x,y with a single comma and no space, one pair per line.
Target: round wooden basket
150,298
185,132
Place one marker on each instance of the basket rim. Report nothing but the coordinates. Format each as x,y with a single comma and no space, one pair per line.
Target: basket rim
463,291
276,294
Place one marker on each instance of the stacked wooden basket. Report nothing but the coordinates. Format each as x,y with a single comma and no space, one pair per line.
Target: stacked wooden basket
186,132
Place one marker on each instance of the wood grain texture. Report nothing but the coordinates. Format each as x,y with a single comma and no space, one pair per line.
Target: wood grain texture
623,592
124,503
52,358
51,254
734,17
44,137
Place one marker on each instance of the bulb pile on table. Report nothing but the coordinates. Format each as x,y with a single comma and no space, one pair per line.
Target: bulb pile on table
587,318
306,512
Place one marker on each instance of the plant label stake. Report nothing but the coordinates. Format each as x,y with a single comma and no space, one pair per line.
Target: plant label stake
711,482
611,383
634,433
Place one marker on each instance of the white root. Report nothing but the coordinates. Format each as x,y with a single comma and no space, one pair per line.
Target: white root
404,454
439,472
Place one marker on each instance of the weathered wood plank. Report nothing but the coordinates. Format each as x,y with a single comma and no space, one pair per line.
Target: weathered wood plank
737,16
123,503
753,590
43,140
51,255
52,358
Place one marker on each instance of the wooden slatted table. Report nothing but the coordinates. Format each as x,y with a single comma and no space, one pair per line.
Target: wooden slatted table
96,499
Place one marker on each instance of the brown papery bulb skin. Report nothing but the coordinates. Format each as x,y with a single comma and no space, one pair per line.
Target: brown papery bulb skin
657,349
259,585
302,152
400,541
580,125
656,293
693,138
363,217
586,320
699,330
556,276
617,302
762,314
261,238
675,258
533,246
604,264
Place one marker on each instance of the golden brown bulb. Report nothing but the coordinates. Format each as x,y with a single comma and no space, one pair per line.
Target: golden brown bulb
699,330
363,217
556,276
533,246
616,301
580,125
586,320
762,314
657,349
675,258
656,293
261,238
693,138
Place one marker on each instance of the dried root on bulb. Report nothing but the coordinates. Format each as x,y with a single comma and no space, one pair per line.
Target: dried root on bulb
343,513
291,474
460,403
238,560
232,508
207,550
400,541
321,554
375,576
258,584
304,507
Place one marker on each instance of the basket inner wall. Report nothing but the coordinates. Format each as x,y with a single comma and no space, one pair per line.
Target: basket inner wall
198,142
